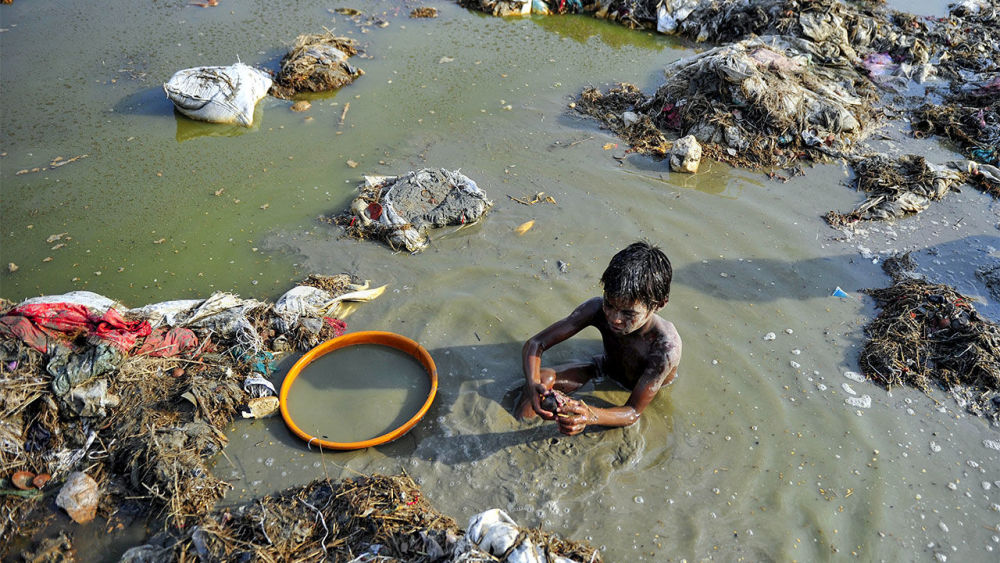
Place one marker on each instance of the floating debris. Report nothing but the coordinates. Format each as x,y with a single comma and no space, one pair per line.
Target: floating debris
928,334
316,63
424,12
897,187
401,210
361,519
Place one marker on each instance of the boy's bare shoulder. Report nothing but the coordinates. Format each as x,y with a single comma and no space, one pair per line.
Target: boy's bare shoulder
668,337
589,308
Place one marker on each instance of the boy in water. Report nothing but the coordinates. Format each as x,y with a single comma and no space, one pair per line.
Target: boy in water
641,350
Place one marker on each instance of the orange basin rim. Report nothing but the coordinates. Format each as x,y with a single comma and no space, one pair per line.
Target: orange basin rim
390,339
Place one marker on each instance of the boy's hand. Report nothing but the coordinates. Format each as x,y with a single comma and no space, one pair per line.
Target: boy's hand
537,392
574,417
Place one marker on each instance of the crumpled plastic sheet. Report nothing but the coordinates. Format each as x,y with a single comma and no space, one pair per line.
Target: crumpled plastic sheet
309,302
222,313
408,206
494,532
69,368
90,399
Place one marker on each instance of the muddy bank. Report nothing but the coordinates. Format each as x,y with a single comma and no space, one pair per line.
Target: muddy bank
138,399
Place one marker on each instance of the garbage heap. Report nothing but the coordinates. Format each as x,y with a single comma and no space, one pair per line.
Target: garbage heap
316,63
756,103
376,518
401,210
897,187
131,404
928,335
970,117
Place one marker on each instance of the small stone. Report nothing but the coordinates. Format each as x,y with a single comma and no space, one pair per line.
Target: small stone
260,407
796,352
987,485
770,336
953,486
935,447
12,267
301,105
795,365
943,526
847,389
685,155
78,497
789,331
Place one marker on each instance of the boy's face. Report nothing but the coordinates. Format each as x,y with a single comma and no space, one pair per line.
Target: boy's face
624,316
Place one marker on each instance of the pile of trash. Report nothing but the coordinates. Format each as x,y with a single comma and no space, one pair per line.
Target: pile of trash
316,63
897,187
928,334
376,518
756,103
124,408
400,210
970,117
229,94
501,8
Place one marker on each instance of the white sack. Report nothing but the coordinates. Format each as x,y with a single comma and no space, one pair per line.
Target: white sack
218,94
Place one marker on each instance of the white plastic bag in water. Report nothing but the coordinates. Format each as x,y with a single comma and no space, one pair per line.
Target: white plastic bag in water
219,94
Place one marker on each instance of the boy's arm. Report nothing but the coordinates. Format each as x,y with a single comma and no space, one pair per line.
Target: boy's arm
531,353
660,372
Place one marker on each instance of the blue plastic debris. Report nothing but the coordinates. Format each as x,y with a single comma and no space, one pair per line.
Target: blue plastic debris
839,293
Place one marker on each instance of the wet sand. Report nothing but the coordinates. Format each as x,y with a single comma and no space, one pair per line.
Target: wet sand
752,453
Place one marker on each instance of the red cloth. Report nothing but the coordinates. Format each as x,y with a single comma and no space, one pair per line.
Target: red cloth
163,343
58,321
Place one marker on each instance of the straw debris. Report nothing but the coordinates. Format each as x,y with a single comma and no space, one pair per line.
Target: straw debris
316,63
928,335
897,187
373,518
147,428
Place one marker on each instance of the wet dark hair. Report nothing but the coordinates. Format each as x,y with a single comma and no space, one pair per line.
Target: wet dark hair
641,272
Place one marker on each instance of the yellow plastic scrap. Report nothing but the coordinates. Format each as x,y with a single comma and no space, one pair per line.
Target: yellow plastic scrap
524,227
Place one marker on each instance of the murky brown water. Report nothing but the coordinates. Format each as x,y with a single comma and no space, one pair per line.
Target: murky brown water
751,454
357,393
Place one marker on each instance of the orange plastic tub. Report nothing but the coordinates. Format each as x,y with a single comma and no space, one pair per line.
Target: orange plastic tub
390,339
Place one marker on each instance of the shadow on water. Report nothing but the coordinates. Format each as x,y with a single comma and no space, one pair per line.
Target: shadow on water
756,280
153,102
150,101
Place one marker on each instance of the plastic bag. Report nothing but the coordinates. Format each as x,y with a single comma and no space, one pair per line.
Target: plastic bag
219,94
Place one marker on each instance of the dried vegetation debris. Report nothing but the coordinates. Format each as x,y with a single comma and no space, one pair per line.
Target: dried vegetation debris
146,427
896,187
928,335
368,518
970,117
316,63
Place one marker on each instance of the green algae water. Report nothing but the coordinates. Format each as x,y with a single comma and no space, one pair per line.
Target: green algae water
751,454
357,393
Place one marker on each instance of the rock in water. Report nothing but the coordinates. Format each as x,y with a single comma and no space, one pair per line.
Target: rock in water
685,156
78,497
